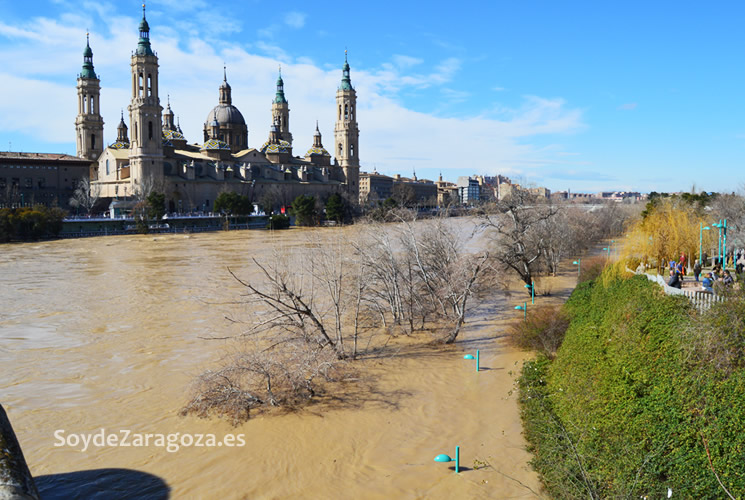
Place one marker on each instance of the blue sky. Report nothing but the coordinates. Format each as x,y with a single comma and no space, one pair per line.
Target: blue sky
581,95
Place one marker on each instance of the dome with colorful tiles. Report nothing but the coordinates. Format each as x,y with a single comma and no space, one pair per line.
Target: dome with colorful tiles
215,144
120,145
173,135
282,147
317,151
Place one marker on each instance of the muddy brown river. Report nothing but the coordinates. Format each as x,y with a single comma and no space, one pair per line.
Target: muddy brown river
104,334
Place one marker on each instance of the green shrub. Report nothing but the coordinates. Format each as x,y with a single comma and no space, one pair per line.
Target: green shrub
625,410
30,223
278,221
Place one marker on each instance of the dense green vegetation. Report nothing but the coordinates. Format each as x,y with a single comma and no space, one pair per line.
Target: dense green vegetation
643,395
278,221
156,205
336,209
233,203
30,223
304,209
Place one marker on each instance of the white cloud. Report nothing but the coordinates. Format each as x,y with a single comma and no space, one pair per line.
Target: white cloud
628,106
405,62
42,102
295,19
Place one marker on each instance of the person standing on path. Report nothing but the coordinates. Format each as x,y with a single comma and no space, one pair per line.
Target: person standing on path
697,270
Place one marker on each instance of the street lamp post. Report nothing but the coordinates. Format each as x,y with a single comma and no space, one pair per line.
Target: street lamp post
477,358
700,242
524,308
724,245
719,226
532,291
578,263
445,458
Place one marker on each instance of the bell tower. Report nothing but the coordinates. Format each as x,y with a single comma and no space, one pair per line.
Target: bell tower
281,111
88,123
346,133
146,142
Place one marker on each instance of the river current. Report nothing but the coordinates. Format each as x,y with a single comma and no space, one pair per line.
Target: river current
104,336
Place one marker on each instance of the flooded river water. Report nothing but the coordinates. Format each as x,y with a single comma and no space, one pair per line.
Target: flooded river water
104,333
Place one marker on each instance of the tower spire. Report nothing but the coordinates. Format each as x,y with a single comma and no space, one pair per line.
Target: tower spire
279,97
88,71
89,123
143,46
346,82
225,91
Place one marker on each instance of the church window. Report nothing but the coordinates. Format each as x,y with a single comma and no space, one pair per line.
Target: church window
149,85
107,166
346,111
93,141
351,150
135,136
340,149
340,111
85,103
150,130
92,107
351,112
139,86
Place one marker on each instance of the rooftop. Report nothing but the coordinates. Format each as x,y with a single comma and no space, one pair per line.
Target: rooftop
10,155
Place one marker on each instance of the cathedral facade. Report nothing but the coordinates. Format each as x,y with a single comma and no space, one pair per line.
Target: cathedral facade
152,154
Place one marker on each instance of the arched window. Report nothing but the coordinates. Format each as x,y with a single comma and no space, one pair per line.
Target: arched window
85,103
136,137
346,111
139,85
351,150
93,141
340,149
150,130
351,112
149,85
340,111
93,106
107,166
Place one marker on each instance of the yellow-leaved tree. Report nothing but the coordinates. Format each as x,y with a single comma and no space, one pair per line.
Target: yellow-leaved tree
671,227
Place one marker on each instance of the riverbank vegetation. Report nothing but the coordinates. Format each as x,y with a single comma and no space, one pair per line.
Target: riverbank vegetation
310,312
30,223
643,395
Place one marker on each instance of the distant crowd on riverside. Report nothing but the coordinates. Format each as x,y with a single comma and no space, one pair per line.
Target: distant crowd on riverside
718,277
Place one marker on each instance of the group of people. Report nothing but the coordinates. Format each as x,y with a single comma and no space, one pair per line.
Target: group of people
717,275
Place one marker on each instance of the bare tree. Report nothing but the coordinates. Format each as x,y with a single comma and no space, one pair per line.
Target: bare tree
515,226
446,274
86,195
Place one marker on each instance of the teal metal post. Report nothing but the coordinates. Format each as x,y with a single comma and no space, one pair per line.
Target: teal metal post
718,225
477,359
445,458
724,246
701,242
524,307
578,263
532,291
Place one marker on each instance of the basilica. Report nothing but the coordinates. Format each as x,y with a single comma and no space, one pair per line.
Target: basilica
152,154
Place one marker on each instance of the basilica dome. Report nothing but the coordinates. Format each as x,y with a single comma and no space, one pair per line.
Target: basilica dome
225,114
